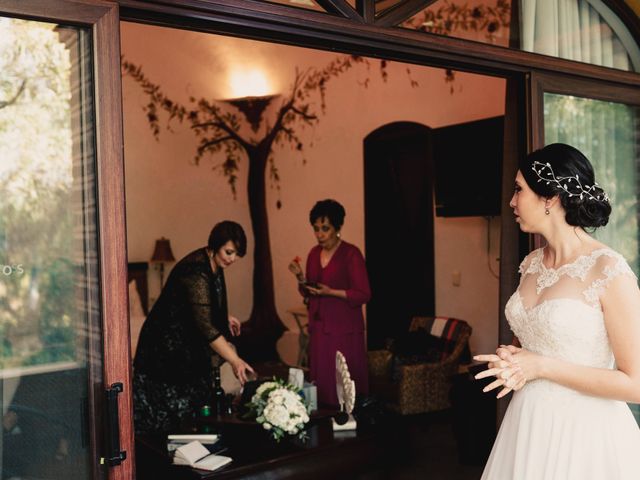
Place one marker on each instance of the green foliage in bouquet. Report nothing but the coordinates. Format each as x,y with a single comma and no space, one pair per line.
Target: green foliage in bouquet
280,409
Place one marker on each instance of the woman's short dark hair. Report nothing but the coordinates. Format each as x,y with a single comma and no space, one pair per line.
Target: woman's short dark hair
588,211
228,231
332,210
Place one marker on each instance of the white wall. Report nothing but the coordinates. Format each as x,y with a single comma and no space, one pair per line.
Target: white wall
167,195
462,247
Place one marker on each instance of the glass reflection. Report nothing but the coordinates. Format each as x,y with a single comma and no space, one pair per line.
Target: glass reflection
49,290
581,30
608,134
487,22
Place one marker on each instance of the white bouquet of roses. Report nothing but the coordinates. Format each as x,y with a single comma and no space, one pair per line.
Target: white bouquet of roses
279,408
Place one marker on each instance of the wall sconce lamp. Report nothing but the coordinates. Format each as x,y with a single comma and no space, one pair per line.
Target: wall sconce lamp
162,254
252,108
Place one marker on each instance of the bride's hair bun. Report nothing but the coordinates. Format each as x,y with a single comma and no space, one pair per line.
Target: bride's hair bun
585,213
560,169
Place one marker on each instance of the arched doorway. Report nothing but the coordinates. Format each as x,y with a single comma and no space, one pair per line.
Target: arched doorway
398,169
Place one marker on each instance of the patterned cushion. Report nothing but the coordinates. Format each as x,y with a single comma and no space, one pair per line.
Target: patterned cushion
444,328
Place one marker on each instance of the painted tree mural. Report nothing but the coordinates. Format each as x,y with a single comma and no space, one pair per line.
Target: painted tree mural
220,132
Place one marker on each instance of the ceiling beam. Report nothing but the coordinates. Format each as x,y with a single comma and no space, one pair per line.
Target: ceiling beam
367,9
340,7
403,11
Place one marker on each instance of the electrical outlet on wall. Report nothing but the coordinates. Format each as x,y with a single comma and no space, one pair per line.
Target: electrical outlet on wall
456,278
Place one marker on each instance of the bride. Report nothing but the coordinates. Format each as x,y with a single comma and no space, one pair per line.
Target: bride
575,358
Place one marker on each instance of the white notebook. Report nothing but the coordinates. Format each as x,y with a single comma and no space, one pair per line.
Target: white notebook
196,455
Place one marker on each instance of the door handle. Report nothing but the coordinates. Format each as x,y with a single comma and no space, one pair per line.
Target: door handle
115,456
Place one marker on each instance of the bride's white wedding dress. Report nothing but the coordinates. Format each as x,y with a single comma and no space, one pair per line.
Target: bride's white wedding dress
550,431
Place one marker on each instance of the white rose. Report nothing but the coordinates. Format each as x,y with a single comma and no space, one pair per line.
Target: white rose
265,386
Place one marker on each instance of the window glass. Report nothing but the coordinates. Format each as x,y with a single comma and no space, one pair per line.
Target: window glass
49,284
608,134
581,30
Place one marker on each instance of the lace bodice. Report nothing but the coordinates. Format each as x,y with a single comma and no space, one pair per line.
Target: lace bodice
557,312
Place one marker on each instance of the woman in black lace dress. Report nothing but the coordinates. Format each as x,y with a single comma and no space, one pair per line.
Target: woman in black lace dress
186,327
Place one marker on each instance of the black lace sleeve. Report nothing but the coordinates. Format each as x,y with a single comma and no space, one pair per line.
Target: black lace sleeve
196,289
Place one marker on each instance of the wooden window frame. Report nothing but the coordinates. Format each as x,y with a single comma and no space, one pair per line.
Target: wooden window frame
360,32
102,17
541,83
341,31
305,28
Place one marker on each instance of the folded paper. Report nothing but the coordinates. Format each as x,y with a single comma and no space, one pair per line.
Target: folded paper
176,441
296,377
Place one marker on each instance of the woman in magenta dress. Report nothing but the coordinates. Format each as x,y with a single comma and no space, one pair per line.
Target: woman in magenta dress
336,286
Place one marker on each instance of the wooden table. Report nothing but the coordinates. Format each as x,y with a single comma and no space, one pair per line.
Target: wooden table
324,455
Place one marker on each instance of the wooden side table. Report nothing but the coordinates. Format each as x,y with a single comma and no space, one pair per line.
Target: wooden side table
301,316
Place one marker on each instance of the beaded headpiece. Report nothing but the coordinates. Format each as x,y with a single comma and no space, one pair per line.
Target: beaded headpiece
571,185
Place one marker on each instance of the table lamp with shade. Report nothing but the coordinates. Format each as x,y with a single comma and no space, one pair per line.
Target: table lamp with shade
162,254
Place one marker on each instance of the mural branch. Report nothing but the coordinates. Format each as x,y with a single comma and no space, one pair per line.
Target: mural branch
448,18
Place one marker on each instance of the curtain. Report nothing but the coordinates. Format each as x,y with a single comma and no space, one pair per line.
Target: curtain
575,30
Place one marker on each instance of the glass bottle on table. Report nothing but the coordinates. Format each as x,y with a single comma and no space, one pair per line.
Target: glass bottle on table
218,401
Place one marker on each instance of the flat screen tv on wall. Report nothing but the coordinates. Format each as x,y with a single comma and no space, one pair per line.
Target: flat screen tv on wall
468,168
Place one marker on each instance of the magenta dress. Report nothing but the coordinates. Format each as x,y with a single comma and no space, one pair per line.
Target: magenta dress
336,323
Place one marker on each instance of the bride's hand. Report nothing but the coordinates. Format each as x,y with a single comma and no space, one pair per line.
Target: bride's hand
512,367
494,367
503,370
502,359
505,352
530,363
516,381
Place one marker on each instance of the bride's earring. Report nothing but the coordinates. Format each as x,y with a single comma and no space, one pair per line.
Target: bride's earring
546,211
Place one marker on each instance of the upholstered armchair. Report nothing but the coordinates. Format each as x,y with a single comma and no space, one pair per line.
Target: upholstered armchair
410,382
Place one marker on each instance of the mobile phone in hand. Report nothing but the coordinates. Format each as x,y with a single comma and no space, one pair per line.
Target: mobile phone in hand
311,285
